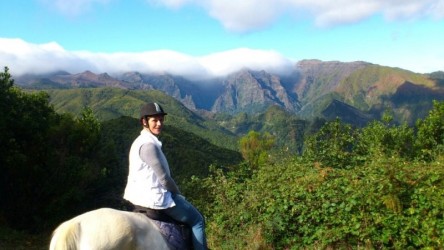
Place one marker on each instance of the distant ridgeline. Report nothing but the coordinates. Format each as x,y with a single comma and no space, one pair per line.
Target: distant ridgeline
356,92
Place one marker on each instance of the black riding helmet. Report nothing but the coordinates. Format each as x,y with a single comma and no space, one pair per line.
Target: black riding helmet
151,109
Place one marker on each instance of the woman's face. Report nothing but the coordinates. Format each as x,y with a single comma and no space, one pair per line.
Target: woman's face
155,124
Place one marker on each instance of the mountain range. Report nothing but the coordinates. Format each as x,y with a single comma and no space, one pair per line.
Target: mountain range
356,92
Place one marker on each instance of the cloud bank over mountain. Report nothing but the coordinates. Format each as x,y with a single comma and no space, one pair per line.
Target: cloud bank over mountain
23,57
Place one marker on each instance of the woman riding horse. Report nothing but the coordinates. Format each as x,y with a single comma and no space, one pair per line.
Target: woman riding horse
150,184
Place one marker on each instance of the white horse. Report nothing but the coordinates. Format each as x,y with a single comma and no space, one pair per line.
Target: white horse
107,228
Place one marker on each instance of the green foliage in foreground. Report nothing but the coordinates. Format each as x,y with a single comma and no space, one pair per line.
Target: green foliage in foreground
374,188
293,204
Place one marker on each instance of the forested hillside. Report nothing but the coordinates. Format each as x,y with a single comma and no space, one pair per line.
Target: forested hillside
220,129
379,186
110,103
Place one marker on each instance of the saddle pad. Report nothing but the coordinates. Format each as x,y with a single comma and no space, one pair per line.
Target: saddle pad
178,236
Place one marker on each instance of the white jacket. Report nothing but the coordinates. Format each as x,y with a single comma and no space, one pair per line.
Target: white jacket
143,187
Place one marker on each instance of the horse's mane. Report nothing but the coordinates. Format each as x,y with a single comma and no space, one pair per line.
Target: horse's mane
70,231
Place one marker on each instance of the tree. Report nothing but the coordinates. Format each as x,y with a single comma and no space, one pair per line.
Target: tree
430,131
52,166
254,147
25,123
381,138
333,145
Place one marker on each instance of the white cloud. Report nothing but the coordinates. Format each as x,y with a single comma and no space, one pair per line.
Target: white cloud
230,61
170,3
247,15
243,15
22,57
72,7
340,12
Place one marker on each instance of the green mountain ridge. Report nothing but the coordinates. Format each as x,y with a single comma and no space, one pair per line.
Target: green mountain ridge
308,91
111,103
369,88
222,130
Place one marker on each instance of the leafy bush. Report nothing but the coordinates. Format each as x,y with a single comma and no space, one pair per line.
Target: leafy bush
431,131
380,138
294,204
333,146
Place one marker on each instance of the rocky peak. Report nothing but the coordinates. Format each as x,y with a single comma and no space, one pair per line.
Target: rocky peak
133,77
247,91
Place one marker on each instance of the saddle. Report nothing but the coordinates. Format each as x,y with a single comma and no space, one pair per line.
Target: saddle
177,234
155,214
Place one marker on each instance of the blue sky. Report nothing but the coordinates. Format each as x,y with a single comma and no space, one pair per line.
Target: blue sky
215,37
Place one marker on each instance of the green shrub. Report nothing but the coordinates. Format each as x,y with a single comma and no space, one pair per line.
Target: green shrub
333,145
293,204
431,132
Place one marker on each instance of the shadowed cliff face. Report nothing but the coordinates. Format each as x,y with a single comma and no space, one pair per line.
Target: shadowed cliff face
346,113
411,93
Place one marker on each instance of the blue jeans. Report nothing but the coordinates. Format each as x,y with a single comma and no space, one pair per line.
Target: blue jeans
186,213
